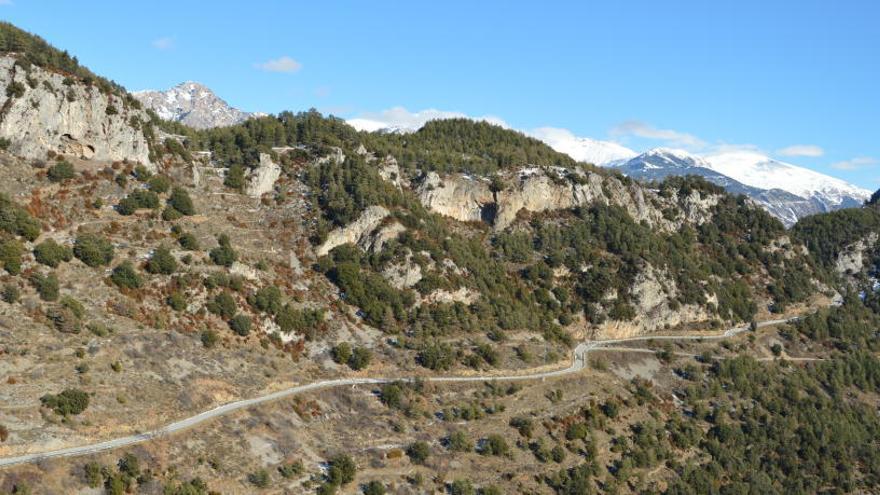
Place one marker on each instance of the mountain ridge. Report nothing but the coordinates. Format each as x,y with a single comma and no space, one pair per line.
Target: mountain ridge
194,104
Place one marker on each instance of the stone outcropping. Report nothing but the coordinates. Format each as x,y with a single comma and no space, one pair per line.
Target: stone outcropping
40,113
471,199
852,260
369,232
262,179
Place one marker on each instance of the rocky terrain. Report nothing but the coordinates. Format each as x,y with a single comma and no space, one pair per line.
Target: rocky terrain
152,271
192,104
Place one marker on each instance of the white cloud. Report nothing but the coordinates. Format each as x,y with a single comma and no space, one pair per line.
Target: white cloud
855,163
284,64
163,43
582,148
402,119
644,130
801,150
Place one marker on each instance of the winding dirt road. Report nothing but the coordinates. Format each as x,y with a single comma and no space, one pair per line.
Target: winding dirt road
579,360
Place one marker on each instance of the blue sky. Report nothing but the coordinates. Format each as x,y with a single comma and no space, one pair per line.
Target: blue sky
797,80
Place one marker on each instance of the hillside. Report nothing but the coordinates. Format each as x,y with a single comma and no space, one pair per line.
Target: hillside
512,320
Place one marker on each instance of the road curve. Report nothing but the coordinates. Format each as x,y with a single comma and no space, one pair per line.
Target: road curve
579,360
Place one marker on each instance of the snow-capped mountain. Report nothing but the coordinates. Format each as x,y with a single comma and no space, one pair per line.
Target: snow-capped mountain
192,104
786,191
583,149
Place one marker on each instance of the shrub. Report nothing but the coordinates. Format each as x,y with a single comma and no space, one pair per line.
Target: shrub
159,184
259,478
141,173
241,324
360,358
63,319
234,177
267,299
137,200
223,254
162,262
69,402
73,305
169,214
16,220
46,286
341,352
50,253
15,89
60,172
10,256
177,301
93,250
458,441
291,469
188,241
180,201
11,293
418,452
436,356
209,338
374,488
290,319
342,470
494,445
223,305
125,276
461,487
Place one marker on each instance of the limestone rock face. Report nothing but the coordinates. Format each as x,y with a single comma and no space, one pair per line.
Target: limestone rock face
263,178
462,198
71,119
369,232
852,259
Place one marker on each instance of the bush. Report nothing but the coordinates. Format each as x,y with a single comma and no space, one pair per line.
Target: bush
268,300
180,201
223,305
93,250
342,470
125,276
259,478
70,402
10,256
137,200
46,286
11,293
209,338
176,301
61,171
169,214
418,452
436,356
159,184
50,253
188,241
341,352
374,488
223,254
241,324
234,177
74,306
494,445
458,441
461,487
16,220
63,319
360,358
290,470
162,262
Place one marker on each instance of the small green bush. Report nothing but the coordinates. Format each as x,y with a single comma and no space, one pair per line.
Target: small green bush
159,184
177,301
222,305
11,293
137,200
10,256
162,262
61,171
93,250
241,324
223,255
69,402
125,276
46,286
234,177
418,452
188,241
50,253
341,352
180,201
360,358
209,338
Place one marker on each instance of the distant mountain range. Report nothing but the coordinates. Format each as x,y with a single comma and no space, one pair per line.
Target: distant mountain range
193,104
787,191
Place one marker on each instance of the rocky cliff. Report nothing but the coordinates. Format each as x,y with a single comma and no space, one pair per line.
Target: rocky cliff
43,111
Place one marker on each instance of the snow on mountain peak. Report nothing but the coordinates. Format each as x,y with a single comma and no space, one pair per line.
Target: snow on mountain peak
193,104
582,148
758,170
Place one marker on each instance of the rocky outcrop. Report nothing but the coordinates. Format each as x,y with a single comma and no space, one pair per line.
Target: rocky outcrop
43,111
389,170
403,275
852,260
262,179
369,232
460,197
536,190
652,292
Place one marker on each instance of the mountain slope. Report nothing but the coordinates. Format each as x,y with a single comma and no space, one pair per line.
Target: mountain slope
815,193
193,104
